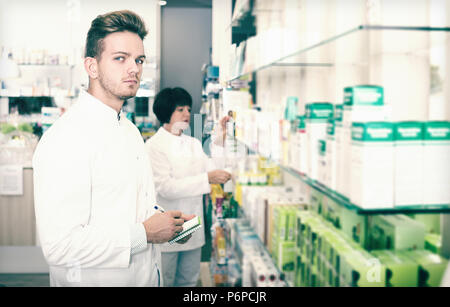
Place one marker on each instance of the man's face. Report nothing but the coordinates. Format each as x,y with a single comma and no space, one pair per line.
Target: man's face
120,64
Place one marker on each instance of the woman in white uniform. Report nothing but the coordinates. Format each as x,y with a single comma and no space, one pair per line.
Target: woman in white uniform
182,174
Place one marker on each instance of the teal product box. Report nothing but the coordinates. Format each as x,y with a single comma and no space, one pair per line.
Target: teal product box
401,270
395,232
364,95
319,111
338,112
431,267
291,110
363,103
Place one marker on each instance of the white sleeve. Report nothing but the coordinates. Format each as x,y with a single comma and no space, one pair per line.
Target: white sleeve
62,189
173,188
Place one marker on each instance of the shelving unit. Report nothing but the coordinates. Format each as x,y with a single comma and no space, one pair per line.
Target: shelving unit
312,50
339,199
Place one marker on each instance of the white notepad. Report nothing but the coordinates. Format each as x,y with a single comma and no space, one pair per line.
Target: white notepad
188,227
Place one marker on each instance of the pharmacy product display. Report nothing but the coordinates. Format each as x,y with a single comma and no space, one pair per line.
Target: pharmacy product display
372,164
347,116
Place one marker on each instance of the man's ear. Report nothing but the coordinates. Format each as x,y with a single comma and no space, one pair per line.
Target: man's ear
91,66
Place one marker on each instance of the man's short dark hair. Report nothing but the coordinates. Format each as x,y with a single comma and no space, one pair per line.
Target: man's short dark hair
167,100
118,21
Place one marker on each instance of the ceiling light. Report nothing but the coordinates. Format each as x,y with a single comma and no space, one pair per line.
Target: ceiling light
162,2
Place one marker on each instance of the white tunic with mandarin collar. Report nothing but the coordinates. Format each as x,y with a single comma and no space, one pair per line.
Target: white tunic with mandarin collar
180,169
93,186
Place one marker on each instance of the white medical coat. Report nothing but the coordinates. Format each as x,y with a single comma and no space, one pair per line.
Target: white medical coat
180,169
92,183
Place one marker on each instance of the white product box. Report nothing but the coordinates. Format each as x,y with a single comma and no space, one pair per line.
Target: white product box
346,160
322,167
339,141
408,163
331,157
317,115
436,175
372,167
362,103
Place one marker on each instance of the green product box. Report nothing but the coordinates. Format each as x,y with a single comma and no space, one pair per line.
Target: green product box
360,269
395,232
331,211
304,218
319,111
290,236
364,95
433,243
432,222
354,226
300,272
311,276
431,267
287,259
338,112
401,271
279,229
316,201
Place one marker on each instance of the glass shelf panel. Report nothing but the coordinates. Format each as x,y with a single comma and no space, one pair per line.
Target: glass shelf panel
360,46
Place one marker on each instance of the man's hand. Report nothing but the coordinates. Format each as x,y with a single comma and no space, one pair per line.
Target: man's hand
161,227
218,176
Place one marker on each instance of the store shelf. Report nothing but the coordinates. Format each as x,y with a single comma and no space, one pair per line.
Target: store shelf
413,209
242,215
322,52
341,200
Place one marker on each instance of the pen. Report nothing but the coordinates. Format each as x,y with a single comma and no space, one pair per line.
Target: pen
160,209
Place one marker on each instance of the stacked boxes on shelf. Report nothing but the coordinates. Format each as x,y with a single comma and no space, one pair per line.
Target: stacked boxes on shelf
361,104
283,239
317,115
409,166
326,257
436,174
395,232
372,165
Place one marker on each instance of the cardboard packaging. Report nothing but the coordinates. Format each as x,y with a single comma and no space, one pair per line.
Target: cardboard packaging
372,165
436,175
317,115
401,270
408,164
395,232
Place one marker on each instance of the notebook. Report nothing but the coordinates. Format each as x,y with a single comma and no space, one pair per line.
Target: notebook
188,227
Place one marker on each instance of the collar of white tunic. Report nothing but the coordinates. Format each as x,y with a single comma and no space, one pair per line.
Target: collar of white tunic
98,108
170,135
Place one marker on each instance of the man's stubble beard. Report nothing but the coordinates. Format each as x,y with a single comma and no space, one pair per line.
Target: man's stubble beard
109,89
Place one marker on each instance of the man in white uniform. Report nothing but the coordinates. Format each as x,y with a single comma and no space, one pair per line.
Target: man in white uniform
96,214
